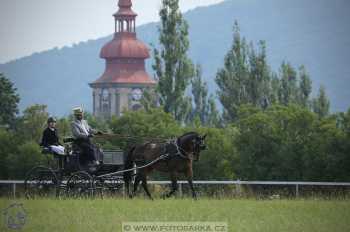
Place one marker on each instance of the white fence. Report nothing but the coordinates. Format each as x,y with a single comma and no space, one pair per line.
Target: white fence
236,183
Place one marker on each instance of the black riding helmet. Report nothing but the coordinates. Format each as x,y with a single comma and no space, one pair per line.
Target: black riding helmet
51,119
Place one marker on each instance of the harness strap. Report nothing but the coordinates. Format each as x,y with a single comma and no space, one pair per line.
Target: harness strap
136,168
180,151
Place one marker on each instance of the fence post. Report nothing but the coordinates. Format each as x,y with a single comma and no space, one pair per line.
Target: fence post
296,190
180,190
238,188
14,190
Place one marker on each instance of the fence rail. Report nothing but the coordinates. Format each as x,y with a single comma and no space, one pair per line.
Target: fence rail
238,183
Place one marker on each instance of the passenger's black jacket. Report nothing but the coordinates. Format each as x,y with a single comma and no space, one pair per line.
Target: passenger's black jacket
50,137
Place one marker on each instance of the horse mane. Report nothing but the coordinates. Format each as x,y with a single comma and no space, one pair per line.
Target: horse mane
192,133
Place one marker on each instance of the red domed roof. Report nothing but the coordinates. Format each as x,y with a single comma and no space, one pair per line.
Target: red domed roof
125,3
125,9
122,12
115,75
127,47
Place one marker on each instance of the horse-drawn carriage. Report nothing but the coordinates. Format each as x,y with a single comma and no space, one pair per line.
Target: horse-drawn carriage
73,178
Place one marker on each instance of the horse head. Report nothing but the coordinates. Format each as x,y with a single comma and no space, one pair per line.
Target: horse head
193,143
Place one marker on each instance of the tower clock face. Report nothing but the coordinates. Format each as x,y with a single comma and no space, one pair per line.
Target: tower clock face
136,94
105,95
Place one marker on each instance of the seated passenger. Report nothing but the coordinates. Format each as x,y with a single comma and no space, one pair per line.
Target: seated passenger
82,133
50,138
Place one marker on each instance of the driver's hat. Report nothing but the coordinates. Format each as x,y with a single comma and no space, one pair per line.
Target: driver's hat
78,111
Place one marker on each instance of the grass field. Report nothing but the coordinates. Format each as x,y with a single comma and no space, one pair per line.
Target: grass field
240,214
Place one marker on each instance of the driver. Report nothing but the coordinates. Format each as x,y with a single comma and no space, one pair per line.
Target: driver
82,133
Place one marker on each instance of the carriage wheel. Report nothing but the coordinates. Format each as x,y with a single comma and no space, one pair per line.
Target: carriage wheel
80,184
41,182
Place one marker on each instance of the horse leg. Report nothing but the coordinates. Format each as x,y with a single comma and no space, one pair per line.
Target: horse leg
136,184
194,195
127,176
190,182
145,187
127,184
173,185
127,187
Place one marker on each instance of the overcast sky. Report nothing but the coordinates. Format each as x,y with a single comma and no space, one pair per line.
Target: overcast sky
28,26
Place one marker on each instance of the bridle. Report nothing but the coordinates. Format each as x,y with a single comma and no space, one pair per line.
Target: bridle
184,154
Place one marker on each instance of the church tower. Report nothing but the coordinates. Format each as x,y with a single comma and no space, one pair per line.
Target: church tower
121,85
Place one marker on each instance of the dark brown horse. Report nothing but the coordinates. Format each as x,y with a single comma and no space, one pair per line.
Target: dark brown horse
179,154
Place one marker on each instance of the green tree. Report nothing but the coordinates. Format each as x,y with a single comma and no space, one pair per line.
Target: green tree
330,159
321,103
96,123
213,119
149,99
345,123
64,127
200,96
232,79
278,144
305,87
259,81
143,124
275,86
246,77
9,100
218,161
288,91
28,155
257,145
172,66
8,144
291,143
32,123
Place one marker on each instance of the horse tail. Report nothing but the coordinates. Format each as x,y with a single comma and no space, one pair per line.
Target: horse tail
128,164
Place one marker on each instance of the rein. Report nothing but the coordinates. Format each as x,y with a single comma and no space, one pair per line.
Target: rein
158,139
136,168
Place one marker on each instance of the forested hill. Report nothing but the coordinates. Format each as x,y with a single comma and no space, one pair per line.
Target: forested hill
313,33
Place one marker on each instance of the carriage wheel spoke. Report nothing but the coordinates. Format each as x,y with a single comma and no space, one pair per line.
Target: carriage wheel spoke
41,182
80,184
